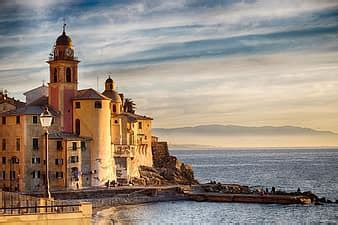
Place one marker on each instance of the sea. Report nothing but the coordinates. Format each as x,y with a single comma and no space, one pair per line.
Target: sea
314,170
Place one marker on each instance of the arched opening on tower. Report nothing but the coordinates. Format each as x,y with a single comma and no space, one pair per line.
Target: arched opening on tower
68,75
77,127
55,75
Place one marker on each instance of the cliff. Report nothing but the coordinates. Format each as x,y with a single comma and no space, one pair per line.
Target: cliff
166,170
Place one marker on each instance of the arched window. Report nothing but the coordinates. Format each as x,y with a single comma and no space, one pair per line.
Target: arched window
114,108
68,75
77,126
55,75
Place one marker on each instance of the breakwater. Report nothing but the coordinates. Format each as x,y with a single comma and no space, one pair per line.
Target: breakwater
108,197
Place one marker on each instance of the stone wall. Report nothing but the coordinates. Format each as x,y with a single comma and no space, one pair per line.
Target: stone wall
160,153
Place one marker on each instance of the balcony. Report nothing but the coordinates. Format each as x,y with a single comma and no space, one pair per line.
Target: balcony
124,150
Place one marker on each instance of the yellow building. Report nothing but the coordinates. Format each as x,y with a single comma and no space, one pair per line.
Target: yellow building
94,138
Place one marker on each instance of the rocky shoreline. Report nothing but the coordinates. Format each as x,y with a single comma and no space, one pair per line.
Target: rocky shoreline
214,187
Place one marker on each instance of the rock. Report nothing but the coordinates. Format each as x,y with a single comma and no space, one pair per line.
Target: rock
322,200
172,170
226,188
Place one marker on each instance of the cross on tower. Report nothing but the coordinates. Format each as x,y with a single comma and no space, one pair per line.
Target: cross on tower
64,25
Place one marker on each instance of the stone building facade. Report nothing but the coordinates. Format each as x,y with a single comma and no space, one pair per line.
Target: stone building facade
94,138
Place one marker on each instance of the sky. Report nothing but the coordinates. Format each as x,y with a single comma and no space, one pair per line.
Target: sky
188,62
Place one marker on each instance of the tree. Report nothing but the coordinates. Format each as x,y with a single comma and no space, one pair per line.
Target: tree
129,105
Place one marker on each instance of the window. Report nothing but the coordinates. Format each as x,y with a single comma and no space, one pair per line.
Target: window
35,143
55,76
58,161
98,104
116,121
35,119
114,108
59,145
3,120
35,160
3,175
75,173
3,160
12,175
18,144
68,75
17,119
59,174
36,174
74,159
77,105
83,146
15,160
3,144
139,125
74,146
77,127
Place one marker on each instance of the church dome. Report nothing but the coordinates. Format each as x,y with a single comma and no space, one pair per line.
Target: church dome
113,95
64,40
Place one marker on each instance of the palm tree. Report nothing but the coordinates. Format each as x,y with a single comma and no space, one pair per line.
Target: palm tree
129,105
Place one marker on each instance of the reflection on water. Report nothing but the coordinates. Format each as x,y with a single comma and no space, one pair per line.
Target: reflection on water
185,212
315,170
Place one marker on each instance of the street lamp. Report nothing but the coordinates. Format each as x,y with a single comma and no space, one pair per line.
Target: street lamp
46,120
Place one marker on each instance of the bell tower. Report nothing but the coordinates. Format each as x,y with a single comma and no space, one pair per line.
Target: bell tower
63,79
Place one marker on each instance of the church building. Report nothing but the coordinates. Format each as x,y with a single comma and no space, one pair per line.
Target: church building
94,137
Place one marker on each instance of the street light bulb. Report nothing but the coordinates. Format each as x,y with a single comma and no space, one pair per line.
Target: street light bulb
46,118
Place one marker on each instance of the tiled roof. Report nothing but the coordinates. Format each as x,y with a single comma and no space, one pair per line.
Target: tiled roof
67,136
113,95
34,108
5,99
43,86
42,101
136,116
90,94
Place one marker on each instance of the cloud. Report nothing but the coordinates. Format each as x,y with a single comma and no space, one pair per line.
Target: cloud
239,59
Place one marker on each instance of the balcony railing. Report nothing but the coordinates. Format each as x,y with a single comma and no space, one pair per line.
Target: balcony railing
17,204
124,150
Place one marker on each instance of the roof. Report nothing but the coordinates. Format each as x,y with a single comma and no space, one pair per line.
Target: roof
64,40
136,116
5,99
113,95
89,94
34,108
67,136
42,101
37,88
29,110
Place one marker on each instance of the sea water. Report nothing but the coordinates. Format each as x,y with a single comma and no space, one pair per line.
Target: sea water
313,170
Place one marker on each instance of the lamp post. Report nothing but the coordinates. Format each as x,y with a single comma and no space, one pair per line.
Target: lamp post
46,120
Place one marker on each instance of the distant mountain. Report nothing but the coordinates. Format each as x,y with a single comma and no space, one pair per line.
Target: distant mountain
232,130
206,136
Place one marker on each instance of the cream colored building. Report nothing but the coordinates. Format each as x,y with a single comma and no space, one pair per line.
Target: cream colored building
95,137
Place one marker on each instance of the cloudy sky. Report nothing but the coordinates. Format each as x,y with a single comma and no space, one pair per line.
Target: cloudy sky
188,62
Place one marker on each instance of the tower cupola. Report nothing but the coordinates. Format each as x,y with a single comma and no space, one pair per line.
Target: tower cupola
109,85
63,46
